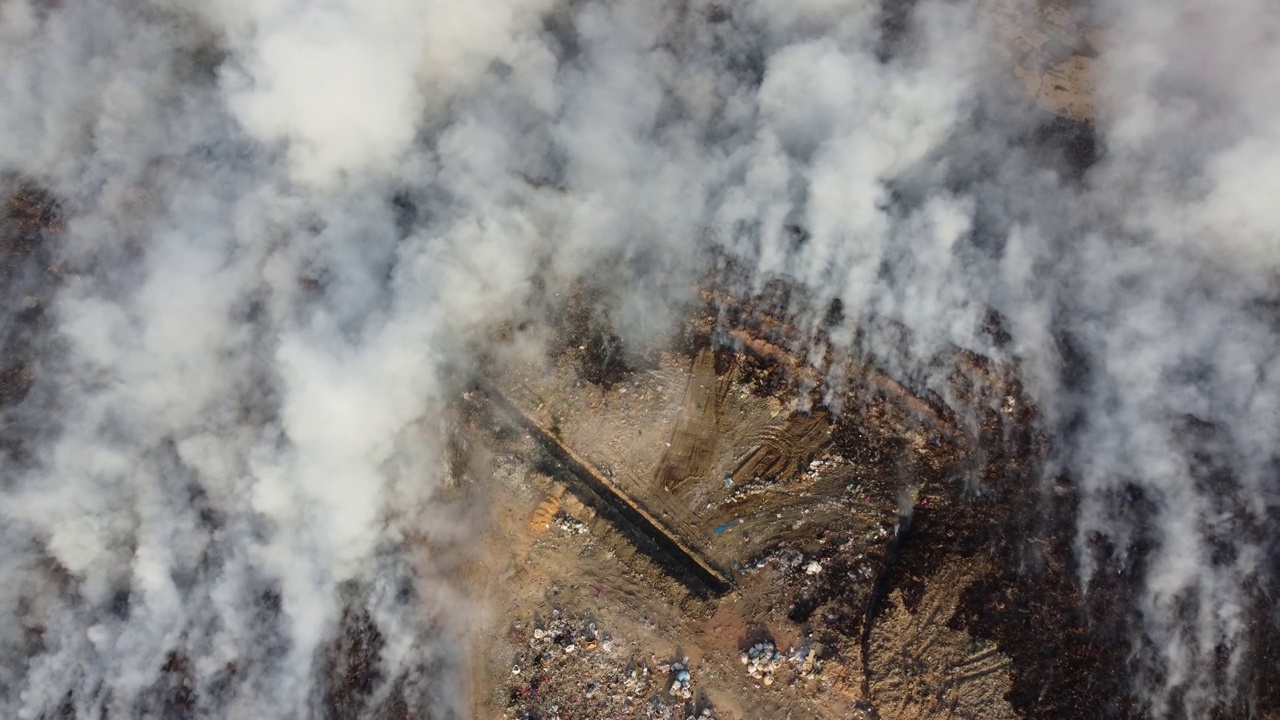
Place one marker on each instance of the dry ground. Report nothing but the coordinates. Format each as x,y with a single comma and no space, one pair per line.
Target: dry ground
740,470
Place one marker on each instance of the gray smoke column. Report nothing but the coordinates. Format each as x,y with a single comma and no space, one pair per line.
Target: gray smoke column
284,220
234,414
1175,316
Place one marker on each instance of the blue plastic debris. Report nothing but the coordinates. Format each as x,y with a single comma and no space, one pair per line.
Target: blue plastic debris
727,526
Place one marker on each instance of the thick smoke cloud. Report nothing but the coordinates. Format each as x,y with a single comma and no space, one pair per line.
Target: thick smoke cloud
284,222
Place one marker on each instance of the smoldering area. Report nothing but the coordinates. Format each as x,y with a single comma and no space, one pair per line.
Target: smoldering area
250,245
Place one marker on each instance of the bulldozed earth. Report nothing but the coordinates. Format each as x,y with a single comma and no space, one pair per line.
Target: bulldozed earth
717,527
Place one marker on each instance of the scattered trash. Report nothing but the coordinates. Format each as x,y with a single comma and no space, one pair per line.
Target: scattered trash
813,568
569,668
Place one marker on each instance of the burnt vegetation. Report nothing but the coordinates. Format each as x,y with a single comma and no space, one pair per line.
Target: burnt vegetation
31,219
352,665
585,326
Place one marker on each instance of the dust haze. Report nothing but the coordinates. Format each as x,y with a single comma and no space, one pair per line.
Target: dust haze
284,229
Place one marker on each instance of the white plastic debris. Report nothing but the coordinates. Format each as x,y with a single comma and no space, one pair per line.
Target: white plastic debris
813,568
680,679
761,660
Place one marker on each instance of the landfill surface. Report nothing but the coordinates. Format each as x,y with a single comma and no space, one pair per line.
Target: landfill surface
687,531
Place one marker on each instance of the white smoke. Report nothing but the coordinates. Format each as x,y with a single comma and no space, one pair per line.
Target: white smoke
284,219
346,86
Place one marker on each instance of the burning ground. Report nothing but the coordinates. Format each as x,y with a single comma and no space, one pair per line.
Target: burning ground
984,294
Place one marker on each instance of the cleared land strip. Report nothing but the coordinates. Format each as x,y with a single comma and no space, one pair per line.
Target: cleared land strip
635,511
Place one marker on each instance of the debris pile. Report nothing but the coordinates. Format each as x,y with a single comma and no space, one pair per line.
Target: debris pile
816,469
680,679
567,668
805,660
757,487
789,560
761,660
569,523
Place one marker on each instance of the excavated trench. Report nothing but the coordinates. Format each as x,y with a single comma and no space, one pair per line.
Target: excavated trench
701,574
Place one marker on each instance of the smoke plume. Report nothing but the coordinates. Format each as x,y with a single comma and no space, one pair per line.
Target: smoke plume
281,223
